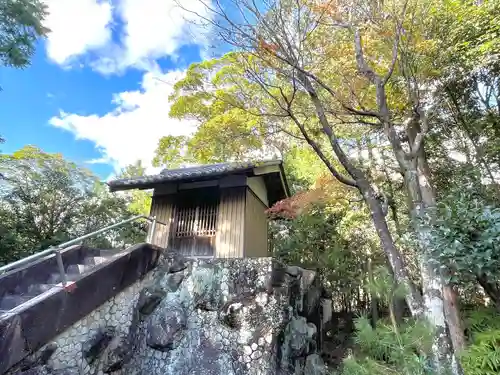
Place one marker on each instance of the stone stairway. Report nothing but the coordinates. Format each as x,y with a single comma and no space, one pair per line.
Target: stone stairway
30,283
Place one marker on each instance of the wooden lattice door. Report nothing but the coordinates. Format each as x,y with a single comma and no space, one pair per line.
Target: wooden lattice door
194,229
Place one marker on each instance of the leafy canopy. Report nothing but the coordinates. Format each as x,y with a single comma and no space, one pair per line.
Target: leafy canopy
20,27
46,200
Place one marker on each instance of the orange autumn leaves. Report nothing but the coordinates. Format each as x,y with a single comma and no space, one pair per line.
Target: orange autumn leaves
326,190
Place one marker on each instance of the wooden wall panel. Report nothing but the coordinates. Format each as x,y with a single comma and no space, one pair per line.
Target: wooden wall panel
230,234
256,227
162,207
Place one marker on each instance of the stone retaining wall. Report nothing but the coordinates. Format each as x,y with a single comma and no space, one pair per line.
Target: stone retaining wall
211,317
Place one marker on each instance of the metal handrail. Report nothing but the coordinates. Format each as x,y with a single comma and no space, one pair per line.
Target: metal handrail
57,249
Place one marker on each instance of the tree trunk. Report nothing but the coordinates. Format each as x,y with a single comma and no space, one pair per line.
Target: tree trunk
451,310
398,306
491,289
449,300
434,311
394,257
432,282
373,298
417,185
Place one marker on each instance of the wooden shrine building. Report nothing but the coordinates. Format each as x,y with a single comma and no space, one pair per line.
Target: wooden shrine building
213,210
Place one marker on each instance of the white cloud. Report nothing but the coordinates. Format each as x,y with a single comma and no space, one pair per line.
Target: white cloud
130,132
150,29
102,160
156,28
122,34
77,26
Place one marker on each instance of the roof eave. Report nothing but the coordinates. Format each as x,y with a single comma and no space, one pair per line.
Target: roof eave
284,181
123,187
118,185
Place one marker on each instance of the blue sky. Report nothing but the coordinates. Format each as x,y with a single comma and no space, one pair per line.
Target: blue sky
94,91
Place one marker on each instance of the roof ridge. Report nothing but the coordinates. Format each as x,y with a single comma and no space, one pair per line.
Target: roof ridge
247,163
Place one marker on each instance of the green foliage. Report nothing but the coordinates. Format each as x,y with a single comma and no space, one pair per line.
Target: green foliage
382,286
170,152
474,39
482,319
464,231
389,350
225,110
466,111
302,167
46,200
482,357
20,27
391,347
313,239
139,200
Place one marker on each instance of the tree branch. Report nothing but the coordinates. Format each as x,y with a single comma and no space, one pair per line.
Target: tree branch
395,46
418,141
363,67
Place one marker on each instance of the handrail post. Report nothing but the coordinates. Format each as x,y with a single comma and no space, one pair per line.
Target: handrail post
60,265
153,228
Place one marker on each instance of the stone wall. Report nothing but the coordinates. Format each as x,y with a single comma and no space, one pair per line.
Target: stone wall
211,317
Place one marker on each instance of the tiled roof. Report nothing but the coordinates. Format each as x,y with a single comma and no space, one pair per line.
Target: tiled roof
189,173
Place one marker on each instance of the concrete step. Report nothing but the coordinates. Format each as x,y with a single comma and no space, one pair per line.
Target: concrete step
55,278
94,261
77,269
8,302
37,289
110,253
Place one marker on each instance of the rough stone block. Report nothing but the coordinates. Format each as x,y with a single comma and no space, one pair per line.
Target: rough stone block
165,328
149,299
93,348
118,353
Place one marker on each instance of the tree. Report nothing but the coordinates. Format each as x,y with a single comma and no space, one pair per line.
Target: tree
466,102
46,200
41,196
290,96
20,27
464,229
326,66
227,129
139,200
